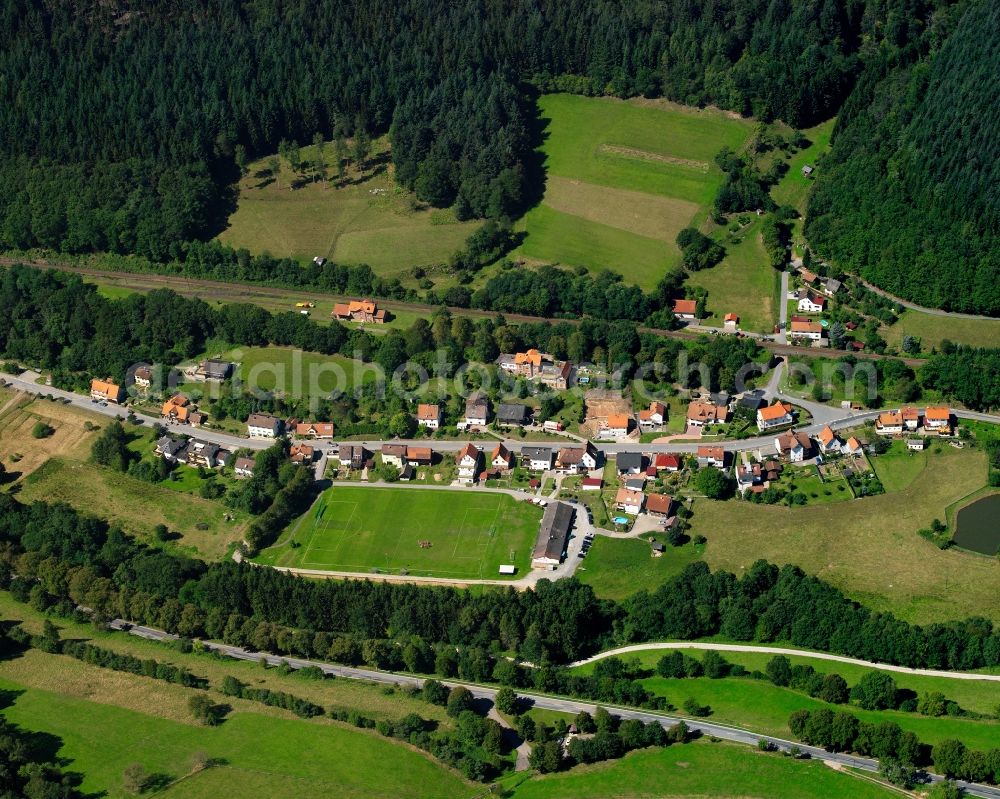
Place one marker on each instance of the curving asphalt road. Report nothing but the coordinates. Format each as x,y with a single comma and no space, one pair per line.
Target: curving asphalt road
773,650
546,702
923,308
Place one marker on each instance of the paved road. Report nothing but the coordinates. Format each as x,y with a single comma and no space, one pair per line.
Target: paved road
544,702
773,650
84,403
781,337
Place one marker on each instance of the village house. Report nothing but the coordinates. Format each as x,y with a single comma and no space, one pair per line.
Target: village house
362,311
176,409
553,535
751,402
629,501
263,425
636,483
831,287
468,461
302,454
827,441
889,423
574,460
477,410
937,419
429,415
748,476
592,484
812,303
730,322
667,463
353,456
616,425
244,466
536,365
142,377
394,455
629,462
513,414
314,430
851,447
911,418
537,459
213,369
686,310
421,456
653,416
794,447
106,391
169,448
206,455
774,416
659,505
711,456
813,331
502,458
700,414
807,275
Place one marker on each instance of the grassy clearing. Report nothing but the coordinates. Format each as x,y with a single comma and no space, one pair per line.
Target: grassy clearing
743,283
257,750
869,548
359,529
764,707
899,467
702,769
21,452
136,505
368,219
794,187
618,567
567,239
979,697
297,373
623,178
932,330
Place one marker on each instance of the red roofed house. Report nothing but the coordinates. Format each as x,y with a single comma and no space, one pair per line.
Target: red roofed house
420,455
592,484
812,303
686,310
730,322
938,419
809,330
712,456
617,425
654,415
774,416
827,440
911,418
630,501
302,454
502,458
106,390
468,461
704,413
314,430
668,463
659,505
429,416
889,423
365,311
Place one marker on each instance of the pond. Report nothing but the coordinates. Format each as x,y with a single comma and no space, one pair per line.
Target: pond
977,526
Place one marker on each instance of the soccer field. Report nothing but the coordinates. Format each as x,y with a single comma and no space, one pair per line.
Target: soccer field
456,534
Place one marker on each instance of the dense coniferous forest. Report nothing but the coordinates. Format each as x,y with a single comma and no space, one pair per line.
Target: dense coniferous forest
909,195
120,123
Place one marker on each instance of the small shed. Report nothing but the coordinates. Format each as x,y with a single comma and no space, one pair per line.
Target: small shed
508,568
807,170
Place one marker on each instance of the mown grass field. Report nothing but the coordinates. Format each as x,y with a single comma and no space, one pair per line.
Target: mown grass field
977,696
470,533
260,753
742,283
702,769
298,373
869,548
899,467
623,178
618,567
932,330
368,219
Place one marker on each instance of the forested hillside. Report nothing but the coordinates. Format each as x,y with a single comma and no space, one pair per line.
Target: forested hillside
909,196
121,123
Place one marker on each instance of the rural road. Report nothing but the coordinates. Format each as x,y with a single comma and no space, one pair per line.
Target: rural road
544,702
834,417
772,650
923,309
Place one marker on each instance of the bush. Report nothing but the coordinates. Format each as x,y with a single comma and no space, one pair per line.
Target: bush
42,430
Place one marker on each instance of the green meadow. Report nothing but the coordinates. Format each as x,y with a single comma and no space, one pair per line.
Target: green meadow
623,178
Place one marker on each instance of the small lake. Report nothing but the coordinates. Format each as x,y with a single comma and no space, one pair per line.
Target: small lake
977,526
